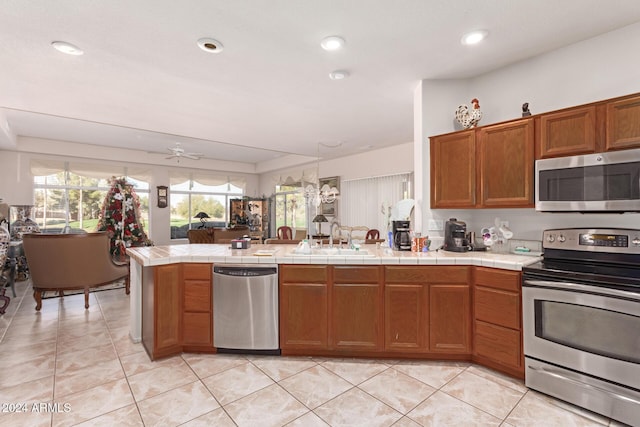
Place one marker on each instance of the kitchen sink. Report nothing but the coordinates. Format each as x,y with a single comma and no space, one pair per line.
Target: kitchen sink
334,252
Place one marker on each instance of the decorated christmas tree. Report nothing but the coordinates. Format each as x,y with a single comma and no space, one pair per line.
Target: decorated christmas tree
120,218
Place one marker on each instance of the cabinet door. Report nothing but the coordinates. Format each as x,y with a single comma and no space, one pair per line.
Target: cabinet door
406,313
569,132
453,170
168,310
303,316
304,307
449,318
506,161
623,124
356,314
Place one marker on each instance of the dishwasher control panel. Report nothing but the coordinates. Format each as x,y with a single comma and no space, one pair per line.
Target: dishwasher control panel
245,271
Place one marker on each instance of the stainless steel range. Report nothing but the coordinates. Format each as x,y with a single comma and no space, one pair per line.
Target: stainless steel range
581,318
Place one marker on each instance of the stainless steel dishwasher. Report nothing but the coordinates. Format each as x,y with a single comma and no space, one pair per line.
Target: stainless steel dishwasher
245,308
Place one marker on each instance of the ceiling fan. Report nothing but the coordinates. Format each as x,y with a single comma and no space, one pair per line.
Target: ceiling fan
179,152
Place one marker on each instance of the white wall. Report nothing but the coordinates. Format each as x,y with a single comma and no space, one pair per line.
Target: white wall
592,70
384,161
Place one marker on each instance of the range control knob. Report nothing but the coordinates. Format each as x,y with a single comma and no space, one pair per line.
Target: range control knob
551,238
561,238
636,241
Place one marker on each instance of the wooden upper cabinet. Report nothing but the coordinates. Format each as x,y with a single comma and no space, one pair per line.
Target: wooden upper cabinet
453,170
506,158
623,124
568,132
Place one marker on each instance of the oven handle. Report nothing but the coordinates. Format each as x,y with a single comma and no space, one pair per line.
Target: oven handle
578,287
561,376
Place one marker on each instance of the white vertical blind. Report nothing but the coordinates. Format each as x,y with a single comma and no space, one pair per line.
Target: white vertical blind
361,199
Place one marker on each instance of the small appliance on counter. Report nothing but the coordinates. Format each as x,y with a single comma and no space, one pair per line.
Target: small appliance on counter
401,235
455,236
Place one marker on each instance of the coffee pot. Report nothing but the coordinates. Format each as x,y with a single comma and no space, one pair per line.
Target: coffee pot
455,236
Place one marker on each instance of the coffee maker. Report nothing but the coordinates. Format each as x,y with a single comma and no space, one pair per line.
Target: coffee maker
455,236
401,235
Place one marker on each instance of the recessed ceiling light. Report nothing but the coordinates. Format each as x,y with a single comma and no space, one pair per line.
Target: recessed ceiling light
332,43
67,48
210,45
338,75
474,37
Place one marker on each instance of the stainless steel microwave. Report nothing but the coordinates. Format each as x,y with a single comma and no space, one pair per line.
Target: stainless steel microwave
603,182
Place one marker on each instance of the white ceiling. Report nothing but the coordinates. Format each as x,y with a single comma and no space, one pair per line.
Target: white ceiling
144,83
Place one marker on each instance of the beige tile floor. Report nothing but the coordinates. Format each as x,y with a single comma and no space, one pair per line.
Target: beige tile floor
69,366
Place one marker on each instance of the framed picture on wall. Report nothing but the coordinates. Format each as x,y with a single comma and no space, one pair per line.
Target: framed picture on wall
330,209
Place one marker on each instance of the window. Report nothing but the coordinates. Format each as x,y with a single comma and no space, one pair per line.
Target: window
66,199
291,208
190,197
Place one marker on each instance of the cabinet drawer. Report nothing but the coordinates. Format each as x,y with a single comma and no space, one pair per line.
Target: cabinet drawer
197,271
304,274
495,278
197,329
197,295
426,274
497,306
499,344
351,274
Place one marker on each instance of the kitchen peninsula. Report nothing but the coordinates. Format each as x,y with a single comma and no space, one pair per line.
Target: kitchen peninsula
436,305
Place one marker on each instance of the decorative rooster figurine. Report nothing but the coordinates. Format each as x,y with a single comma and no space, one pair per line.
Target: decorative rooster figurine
466,118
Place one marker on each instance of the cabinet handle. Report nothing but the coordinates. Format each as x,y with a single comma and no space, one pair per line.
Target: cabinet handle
397,335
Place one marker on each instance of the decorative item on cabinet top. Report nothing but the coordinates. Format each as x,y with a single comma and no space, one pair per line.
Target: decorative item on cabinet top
469,119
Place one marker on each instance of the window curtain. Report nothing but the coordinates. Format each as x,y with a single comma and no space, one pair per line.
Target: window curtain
45,167
177,177
361,200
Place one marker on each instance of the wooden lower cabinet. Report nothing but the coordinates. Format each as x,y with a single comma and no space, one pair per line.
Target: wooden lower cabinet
406,317
427,309
197,316
356,312
450,318
304,297
498,320
177,310
161,314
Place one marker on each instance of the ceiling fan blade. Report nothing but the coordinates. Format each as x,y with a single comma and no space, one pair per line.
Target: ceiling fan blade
192,156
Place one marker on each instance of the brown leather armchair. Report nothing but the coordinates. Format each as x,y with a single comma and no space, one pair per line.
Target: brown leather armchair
59,262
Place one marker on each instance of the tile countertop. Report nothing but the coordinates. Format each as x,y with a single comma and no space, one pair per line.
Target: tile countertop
222,253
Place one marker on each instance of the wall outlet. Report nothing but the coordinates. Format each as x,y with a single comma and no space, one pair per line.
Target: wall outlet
436,225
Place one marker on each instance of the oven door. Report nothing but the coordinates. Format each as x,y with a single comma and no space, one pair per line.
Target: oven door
582,345
583,328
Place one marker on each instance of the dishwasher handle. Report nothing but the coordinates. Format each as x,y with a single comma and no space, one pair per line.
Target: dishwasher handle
245,271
